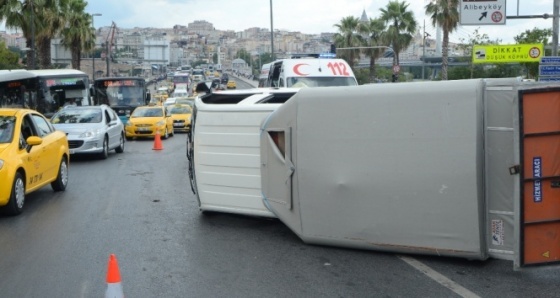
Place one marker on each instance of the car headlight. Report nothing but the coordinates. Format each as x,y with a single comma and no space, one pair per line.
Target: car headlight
90,133
160,123
1,163
128,123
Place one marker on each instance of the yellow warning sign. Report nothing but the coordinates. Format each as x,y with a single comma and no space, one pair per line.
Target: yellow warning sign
546,254
507,53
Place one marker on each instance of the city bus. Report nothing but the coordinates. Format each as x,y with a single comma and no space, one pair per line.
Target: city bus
182,80
45,91
122,94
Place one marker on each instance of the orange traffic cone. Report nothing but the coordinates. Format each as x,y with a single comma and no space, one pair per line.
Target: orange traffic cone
157,142
114,286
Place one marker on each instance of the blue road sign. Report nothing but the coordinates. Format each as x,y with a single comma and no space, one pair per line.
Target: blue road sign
549,79
549,70
550,60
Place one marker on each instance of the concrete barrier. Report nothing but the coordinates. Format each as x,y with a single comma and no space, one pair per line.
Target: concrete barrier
250,82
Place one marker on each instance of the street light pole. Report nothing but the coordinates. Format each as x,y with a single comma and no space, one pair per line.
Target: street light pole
93,15
424,50
271,34
555,25
32,56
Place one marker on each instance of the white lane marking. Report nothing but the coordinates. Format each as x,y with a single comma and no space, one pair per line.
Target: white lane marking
439,278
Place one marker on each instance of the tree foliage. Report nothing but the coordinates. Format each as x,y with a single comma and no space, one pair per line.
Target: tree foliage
376,40
445,15
42,20
535,35
401,25
8,59
348,36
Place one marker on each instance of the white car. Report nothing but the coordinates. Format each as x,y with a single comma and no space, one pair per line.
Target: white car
170,101
91,129
181,93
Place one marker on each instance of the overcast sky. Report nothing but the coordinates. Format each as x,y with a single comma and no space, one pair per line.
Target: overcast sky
306,16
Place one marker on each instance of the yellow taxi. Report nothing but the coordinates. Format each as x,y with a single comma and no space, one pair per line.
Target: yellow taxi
162,93
231,85
147,121
181,115
32,155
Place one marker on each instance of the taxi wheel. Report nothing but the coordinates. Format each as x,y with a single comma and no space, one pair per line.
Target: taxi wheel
105,153
17,196
62,179
120,149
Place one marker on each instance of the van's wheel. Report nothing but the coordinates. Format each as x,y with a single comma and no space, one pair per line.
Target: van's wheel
105,153
62,178
17,196
120,149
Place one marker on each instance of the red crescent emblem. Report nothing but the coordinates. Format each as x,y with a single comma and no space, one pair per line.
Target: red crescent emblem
296,69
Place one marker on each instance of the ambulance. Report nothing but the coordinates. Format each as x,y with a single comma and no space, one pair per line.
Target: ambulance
263,76
310,70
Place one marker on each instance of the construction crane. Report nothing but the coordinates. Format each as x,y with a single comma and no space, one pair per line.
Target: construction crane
109,45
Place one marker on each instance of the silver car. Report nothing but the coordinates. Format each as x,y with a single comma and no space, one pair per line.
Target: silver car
91,129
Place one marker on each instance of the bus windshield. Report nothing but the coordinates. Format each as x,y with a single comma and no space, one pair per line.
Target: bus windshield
45,90
122,94
118,93
179,78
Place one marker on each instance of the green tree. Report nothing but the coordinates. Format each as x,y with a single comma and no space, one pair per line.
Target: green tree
78,35
348,36
445,15
17,14
533,36
375,31
401,26
243,54
476,38
50,21
8,59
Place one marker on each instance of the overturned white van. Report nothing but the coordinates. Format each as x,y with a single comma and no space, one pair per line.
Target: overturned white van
465,168
224,149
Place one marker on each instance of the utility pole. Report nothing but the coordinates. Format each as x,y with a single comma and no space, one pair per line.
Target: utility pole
32,62
555,21
424,50
93,15
271,34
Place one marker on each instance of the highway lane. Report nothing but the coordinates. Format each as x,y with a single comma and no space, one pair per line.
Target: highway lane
138,205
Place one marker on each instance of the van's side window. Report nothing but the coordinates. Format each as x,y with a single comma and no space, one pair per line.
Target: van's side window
281,82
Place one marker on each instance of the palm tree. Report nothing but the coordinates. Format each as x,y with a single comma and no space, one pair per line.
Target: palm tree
78,34
401,26
347,37
51,20
18,14
374,30
445,15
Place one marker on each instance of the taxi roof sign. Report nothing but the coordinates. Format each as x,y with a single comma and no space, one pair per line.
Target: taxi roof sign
482,12
507,53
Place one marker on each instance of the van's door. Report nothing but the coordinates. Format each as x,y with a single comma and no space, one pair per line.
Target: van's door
540,176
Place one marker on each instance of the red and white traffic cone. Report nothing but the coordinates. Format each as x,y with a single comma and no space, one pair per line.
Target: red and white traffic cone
114,286
157,141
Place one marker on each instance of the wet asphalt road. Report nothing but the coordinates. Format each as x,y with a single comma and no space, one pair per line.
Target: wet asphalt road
138,206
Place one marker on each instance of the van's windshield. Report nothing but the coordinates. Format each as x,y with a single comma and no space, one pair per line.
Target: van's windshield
298,82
